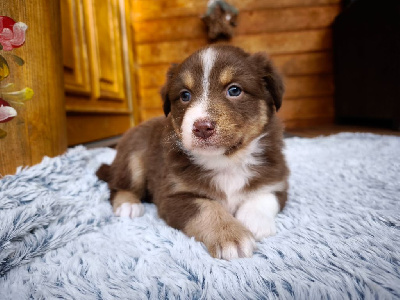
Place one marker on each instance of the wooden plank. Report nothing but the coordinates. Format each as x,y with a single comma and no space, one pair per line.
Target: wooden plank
286,42
169,30
296,87
288,19
152,75
304,63
82,103
309,86
273,43
307,108
130,70
250,22
150,98
288,64
148,10
167,52
147,114
83,128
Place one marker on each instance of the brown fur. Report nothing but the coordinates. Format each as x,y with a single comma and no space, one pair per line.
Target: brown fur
216,228
121,197
151,159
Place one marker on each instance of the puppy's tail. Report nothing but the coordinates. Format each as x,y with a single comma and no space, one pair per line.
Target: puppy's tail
104,172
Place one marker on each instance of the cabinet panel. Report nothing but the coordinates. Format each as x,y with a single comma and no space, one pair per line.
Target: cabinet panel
96,69
75,50
107,30
82,128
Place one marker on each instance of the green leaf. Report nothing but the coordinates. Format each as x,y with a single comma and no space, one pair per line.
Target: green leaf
1,47
7,88
18,97
19,61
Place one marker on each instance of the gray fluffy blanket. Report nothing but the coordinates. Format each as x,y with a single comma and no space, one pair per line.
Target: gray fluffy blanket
337,238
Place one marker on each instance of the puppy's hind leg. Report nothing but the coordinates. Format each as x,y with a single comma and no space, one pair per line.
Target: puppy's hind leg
126,204
127,185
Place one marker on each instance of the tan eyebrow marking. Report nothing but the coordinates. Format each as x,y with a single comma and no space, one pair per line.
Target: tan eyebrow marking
188,79
226,75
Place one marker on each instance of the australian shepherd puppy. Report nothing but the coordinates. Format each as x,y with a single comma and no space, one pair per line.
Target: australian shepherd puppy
214,165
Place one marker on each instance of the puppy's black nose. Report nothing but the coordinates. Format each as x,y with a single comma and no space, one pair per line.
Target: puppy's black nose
203,128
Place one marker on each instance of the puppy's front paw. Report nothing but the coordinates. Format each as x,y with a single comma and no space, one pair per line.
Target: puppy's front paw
260,224
231,247
223,235
229,241
130,210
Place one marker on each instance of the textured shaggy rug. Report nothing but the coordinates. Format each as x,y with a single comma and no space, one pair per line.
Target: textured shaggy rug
338,237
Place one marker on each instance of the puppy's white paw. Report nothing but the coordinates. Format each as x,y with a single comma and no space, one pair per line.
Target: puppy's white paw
130,210
258,215
260,224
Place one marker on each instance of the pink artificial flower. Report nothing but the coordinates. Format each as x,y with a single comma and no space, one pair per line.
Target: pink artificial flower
12,34
7,113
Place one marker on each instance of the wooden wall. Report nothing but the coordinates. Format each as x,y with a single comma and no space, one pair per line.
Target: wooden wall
39,129
296,33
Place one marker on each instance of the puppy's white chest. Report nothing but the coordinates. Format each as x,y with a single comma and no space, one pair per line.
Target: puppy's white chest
231,174
231,182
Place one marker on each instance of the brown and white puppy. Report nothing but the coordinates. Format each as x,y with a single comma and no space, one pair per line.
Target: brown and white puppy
214,166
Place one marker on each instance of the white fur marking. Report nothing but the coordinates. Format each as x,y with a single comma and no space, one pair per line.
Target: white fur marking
137,210
194,113
245,248
207,58
199,110
258,213
118,211
232,173
130,210
125,209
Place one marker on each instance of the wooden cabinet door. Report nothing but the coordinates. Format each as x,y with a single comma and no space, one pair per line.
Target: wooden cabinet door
107,32
93,56
96,72
75,48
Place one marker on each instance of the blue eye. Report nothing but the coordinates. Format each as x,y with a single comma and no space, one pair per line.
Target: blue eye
234,91
185,96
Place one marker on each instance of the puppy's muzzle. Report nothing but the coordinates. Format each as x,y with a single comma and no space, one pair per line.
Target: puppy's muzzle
203,128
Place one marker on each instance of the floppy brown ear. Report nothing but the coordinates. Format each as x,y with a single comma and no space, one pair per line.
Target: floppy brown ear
164,90
272,78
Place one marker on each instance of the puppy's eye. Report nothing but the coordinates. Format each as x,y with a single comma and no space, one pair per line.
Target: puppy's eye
185,96
234,91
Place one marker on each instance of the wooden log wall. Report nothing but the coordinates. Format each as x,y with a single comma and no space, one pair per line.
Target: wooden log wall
296,33
39,129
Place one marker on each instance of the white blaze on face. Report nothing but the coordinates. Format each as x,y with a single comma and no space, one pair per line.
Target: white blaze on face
199,109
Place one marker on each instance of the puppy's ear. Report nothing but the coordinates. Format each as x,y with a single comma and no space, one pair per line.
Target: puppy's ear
272,78
164,89
165,99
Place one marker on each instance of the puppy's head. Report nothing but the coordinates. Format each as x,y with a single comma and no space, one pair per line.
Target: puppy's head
221,98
